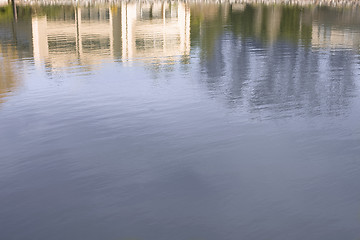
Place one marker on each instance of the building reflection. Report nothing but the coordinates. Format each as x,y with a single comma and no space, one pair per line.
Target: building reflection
327,37
155,30
148,31
230,40
162,31
83,39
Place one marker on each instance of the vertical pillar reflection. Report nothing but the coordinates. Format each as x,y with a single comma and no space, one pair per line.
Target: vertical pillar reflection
79,45
40,40
128,18
154,31
184,27
111,33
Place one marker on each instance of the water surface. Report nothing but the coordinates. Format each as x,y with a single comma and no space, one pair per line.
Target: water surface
181,121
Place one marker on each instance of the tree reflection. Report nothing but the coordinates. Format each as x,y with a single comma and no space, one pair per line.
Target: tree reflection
9,71
262,57
268,57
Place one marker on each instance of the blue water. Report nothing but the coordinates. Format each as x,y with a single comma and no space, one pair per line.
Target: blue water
179,121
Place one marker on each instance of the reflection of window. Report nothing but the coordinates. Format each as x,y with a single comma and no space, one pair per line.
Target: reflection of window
60,43
95,14
157,11
95,43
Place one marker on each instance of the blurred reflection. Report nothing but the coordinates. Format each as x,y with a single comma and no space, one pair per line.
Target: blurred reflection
155,30
158,30
323,37
84,38
9,73
86,35
159,138
265,57
267,62
12,37
268,24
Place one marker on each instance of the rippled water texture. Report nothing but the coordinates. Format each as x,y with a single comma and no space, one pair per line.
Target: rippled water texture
179,121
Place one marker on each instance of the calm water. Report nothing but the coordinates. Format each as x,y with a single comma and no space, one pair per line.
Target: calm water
179,121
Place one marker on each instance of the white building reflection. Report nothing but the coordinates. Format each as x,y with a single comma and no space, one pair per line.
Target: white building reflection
330,37
3,2
156,30
159,31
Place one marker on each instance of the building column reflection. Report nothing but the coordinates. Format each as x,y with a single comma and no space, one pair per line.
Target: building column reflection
40,39
154,30
184,24
128,18
142,31
79,46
